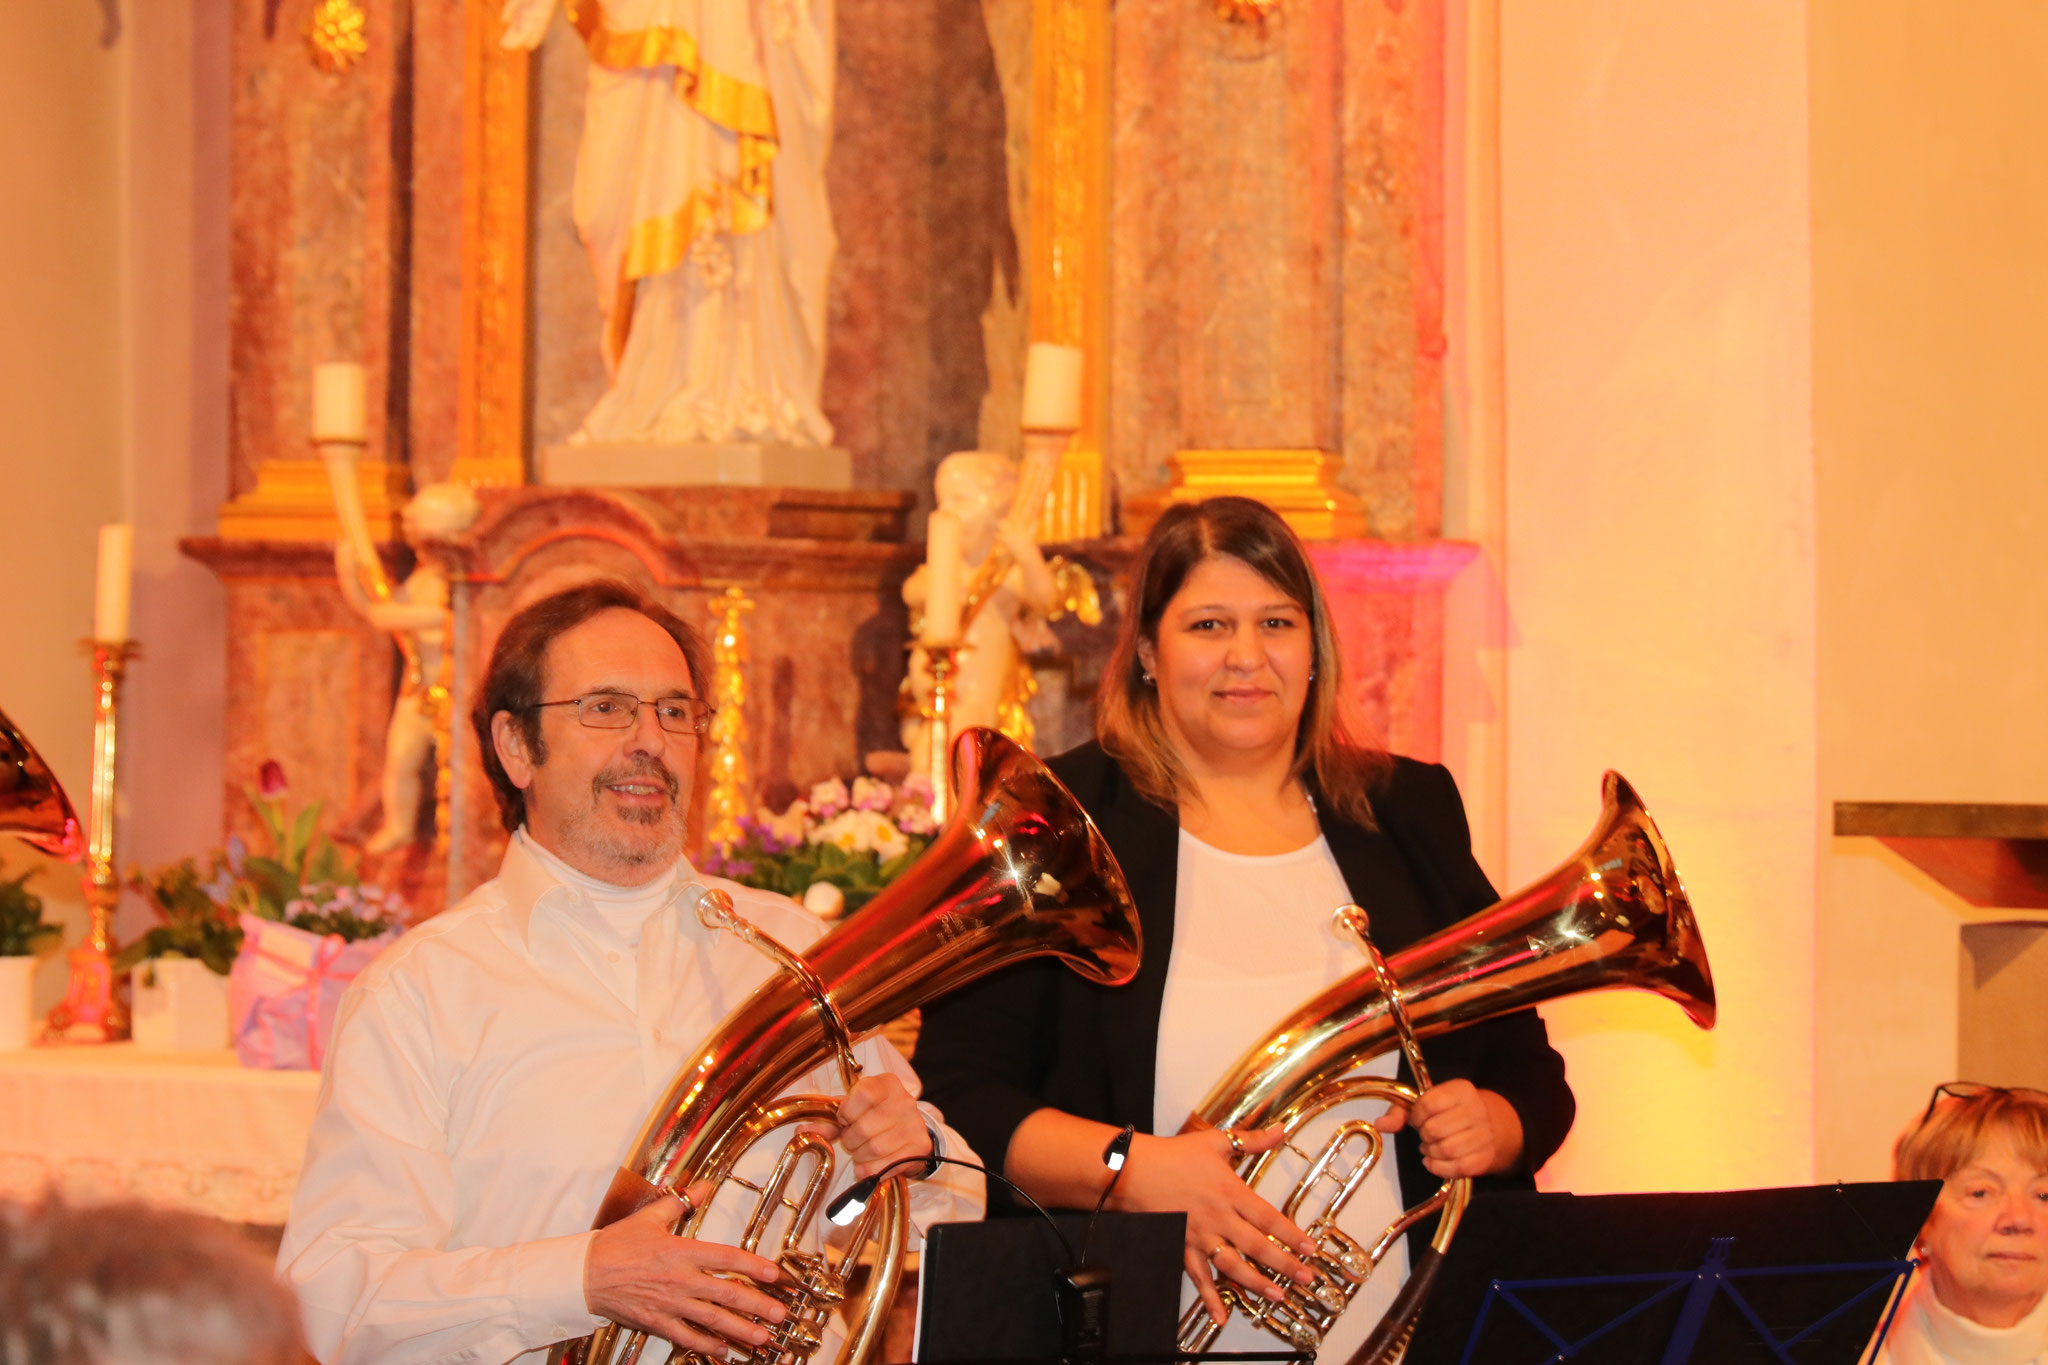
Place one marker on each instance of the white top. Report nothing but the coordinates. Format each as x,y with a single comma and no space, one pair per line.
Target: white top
1251,942
1926,1333
490,1072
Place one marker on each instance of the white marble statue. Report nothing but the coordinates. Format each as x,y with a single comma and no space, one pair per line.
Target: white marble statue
994,681
700,198
416,614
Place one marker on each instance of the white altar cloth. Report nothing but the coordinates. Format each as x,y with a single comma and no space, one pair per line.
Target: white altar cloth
194,1130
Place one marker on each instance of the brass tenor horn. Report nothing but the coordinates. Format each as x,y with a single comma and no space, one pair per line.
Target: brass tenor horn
1614,914
1018,872
32,804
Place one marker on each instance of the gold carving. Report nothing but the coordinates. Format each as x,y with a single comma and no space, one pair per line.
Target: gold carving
1254,12
1069,274
491,407
293,501
1301,485
335,35
730,797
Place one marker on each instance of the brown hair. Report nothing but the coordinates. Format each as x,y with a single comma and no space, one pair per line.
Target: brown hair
1127,719
519,662
1956,1128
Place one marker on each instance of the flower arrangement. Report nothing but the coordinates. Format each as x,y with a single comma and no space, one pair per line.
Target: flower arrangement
304,881
854,840
22,930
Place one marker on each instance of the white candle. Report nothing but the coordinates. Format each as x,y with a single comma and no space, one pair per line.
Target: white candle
942,577
1052,387
338,410
110,606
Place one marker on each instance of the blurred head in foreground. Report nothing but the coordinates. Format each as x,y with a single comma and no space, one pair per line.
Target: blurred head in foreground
1986,1242
124,1284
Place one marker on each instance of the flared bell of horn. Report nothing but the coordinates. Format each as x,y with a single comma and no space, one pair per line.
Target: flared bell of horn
1614,914
32,804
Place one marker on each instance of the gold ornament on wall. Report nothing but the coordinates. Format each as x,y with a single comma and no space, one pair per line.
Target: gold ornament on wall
730,795
1255,12
335,35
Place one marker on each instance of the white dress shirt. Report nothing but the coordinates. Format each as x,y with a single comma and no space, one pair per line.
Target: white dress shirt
1251,943
489,1074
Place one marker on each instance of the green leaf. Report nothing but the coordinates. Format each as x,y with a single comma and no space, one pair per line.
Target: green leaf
274,885
302,836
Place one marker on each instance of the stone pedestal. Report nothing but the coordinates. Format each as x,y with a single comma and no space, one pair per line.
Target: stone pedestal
748,464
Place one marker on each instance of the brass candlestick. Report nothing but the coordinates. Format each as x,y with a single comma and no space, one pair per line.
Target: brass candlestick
942,657
90,1012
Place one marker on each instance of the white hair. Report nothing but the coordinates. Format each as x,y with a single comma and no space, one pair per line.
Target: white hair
129,1283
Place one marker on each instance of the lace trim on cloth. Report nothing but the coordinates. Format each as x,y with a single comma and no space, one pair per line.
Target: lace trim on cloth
235,1193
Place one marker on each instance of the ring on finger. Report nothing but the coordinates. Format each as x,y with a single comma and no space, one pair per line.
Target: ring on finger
1222,1245
1236,1146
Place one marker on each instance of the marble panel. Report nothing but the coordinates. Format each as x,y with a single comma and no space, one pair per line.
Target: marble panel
1276,229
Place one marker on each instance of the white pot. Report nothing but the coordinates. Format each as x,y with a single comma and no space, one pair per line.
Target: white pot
17,1002
181,1005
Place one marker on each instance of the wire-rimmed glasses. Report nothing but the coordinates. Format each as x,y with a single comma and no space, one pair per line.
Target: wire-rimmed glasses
621,711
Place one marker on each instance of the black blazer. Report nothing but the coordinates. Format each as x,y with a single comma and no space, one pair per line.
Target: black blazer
1036,1035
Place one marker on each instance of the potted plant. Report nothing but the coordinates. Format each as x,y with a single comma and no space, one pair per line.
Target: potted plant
23,938
301,897
181,966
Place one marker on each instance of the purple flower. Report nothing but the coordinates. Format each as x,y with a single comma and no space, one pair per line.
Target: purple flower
739,868
270,778
238,849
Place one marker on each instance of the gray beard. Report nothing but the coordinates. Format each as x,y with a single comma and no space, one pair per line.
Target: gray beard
590,844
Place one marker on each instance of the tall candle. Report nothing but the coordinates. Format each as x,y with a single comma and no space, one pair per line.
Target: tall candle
1052,387
338,410
942,577
110,606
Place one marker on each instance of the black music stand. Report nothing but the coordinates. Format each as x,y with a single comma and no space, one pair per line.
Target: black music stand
986,1293
1728,1278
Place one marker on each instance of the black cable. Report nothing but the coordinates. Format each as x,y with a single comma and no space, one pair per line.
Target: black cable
862,1190
1115,1156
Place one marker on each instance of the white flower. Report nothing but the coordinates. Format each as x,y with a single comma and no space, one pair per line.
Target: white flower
828,798
792,826
883,837
869,794
824,900
843,829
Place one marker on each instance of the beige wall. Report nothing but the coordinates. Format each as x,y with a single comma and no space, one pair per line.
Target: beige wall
1649,536
113,393
1930,214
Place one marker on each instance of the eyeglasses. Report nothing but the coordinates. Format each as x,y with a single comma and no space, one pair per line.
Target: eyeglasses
1970,1090
621,711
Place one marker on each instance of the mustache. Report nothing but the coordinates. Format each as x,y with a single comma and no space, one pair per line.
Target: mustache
647,768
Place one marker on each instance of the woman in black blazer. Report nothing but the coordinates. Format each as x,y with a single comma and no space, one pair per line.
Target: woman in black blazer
1218,719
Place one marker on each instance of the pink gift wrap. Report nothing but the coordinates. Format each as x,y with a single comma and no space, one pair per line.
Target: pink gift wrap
285,988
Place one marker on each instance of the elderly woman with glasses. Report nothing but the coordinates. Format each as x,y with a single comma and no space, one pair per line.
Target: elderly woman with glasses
1984,1297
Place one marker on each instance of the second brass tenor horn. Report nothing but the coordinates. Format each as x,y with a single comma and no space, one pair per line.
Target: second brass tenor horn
1614,914
1018,872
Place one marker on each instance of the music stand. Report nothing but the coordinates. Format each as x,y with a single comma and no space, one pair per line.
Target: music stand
985,1290
1728,1277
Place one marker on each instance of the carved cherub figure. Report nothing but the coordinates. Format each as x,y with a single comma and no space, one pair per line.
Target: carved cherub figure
994,681
416,614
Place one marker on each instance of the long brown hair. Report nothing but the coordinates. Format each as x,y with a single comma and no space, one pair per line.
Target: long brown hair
1127,719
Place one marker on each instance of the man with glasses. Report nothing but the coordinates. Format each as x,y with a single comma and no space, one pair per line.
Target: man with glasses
491,1070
